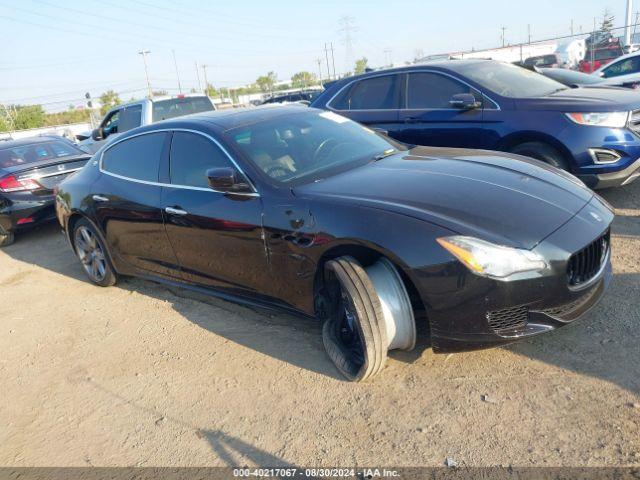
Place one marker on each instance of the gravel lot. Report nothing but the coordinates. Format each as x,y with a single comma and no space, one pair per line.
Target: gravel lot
141,374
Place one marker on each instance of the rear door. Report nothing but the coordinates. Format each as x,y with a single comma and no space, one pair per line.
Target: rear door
127,203
217,236
428,117
372,101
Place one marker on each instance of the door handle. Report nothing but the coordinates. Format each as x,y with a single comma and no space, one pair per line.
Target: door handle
100,198
411,120
175,211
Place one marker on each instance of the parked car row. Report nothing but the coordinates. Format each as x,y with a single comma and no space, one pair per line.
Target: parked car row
381,207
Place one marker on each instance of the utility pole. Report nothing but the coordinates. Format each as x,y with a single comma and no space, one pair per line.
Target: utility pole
387,56
319,61
347,31
198,77
333,62
326,56
528,34
503,29
627,28
572,27
206,82
177,73
144,54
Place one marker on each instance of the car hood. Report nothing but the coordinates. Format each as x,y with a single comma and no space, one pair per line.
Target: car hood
503,198
593,99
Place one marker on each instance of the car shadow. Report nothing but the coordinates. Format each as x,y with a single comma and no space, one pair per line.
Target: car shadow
230,450
602,344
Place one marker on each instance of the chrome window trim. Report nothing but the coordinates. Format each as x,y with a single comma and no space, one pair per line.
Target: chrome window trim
426,70
35,176
171,185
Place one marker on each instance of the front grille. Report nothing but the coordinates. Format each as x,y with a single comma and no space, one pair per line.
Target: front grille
585,264
508,318
568,308
634,121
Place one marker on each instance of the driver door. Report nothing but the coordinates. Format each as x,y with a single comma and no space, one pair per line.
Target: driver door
429,118
217,237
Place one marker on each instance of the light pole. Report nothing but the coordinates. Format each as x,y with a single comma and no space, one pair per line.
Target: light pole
206,82
177,73
627,28
144,54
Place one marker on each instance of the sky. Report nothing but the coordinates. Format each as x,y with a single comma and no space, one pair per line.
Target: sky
53,51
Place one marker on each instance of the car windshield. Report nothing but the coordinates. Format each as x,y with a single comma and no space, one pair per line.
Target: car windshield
571,76
178,107
309,145
35,152
509,80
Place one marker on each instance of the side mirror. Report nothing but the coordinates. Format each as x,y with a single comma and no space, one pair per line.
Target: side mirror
97,134
225,180
464,101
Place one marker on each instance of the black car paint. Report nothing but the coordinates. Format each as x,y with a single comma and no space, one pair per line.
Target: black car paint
38,205
268,249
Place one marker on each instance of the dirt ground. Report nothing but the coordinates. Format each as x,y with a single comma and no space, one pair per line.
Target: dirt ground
144,375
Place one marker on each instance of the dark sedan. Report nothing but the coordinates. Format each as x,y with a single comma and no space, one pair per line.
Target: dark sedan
30,169
308,211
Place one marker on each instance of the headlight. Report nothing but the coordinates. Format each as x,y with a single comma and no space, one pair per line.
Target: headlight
489,260
603,119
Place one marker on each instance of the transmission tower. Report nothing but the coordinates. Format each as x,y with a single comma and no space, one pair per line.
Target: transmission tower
347,30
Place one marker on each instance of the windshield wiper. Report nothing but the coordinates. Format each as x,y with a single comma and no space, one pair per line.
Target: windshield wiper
385,154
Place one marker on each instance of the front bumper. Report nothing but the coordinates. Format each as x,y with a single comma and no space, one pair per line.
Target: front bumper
469,312
613,179
15,209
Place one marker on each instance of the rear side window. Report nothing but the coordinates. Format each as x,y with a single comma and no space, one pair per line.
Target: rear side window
130,117
178,107
377,93
191,156
432,90
137,158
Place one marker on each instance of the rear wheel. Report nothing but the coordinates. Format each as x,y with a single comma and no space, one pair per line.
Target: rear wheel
354,335
6,238
541,151
92,254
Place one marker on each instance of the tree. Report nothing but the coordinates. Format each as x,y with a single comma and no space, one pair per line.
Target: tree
361,66
30,116
266,82
211,91
108,100
303,80
607,21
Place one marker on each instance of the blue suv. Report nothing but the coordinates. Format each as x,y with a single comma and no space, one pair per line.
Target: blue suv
591,132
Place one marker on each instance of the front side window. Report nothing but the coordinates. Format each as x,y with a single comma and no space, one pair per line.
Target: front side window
111,124
433,90
137,158
191,156
376,93
624,67
309,145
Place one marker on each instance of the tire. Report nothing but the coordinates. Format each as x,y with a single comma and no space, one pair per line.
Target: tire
6,238
354,335
90,250
541,151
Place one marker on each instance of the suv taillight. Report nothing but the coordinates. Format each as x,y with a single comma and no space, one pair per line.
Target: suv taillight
13,184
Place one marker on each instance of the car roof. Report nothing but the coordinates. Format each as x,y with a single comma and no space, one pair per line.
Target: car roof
234,118
31,141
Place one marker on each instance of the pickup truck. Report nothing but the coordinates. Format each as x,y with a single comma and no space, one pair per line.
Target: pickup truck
122,118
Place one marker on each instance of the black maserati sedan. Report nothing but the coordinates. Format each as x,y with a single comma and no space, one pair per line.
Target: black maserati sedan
305,210
30,169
